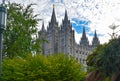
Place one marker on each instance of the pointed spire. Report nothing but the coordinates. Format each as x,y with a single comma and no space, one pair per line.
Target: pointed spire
84,33
66,16
84,40
95,35
43,27
95,39
53,18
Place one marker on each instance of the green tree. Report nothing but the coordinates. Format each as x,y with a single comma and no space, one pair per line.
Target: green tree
21,31
39,68
104,62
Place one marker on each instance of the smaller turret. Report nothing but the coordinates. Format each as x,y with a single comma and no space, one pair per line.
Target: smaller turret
66,16
95,40
66,23
43,27
42,32
42,36
84,40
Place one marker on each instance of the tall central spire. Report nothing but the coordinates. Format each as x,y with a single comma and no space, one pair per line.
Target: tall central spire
53,18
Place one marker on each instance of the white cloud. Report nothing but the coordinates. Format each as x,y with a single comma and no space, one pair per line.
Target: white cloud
101,13
77,37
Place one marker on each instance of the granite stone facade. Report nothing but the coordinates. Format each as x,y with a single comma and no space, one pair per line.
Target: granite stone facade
61,39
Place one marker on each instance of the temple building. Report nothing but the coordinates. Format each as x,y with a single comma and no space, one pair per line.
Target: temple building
61,39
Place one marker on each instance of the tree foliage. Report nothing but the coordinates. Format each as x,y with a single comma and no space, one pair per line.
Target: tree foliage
105,62
39,68
21,27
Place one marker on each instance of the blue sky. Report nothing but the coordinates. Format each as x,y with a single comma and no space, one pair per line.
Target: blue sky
79,24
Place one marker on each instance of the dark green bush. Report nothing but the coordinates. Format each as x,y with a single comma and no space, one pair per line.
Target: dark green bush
104,62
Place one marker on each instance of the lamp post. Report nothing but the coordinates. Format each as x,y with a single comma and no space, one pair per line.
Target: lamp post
3,15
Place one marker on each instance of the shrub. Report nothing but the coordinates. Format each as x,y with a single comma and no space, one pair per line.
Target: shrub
56,67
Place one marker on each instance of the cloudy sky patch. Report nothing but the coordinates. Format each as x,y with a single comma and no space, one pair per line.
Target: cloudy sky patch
94,14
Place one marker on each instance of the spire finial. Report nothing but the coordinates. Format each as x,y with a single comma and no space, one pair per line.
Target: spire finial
53,5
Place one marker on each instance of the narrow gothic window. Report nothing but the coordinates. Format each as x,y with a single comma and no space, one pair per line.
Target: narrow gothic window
76,51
